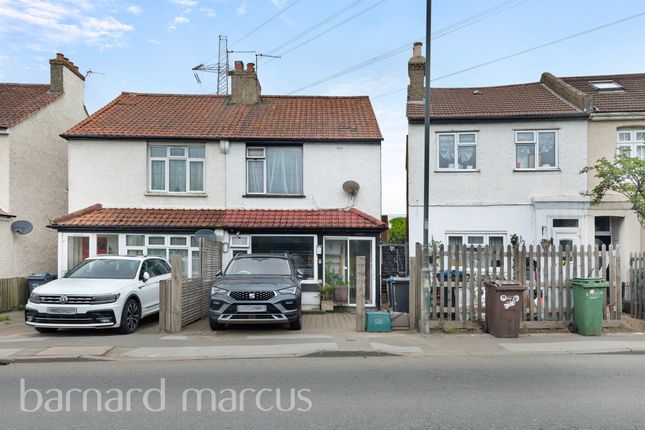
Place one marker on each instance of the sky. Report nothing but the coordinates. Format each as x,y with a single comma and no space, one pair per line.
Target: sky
325,48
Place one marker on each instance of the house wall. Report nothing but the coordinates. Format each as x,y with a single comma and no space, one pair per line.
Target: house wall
4,171
38,178
326,166
494,197
627,231
115,174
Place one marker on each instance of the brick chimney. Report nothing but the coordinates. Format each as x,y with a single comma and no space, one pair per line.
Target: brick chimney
245,87
59,68
416,72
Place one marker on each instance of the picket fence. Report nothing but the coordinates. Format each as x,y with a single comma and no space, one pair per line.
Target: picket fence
453,280
637,285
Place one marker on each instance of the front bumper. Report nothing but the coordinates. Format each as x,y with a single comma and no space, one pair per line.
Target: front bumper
86,316
281,309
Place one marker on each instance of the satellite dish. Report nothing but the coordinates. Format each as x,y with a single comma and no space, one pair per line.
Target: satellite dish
205,234
351,187
21,227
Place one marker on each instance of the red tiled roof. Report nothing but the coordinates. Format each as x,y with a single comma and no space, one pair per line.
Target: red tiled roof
532,100
19,101
632,99
248,219
133,115
4,214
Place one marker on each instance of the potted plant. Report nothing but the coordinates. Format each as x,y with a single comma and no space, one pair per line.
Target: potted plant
341,292
326,297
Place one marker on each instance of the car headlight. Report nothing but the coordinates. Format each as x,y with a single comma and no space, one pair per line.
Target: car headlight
105,298
34,298
217,290
290,290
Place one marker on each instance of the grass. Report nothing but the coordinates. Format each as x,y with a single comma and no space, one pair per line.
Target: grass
21,307
5,318
454,330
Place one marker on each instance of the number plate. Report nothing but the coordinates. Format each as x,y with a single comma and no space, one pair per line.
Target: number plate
251,308
65,311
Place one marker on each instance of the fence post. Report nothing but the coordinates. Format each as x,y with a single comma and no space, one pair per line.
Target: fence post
174,325
416,284
360,293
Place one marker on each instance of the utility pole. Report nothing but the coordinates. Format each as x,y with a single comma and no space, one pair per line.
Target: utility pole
426,135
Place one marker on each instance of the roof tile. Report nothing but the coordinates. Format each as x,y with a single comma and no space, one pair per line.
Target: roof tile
632,99
19,101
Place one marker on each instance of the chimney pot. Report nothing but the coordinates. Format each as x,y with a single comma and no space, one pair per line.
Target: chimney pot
416,49
250,67
239,65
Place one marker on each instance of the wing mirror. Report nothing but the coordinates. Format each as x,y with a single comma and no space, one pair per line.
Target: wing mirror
300,274
218,274
145,276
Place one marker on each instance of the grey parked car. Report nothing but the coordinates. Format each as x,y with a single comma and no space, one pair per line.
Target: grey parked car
257,289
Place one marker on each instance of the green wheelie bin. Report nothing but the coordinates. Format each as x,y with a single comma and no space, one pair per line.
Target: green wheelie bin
588,301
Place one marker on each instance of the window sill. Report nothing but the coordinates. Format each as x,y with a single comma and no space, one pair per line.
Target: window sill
541,169
456,171
275,196
165,194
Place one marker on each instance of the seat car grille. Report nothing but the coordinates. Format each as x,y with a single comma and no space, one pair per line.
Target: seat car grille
252,295
71,300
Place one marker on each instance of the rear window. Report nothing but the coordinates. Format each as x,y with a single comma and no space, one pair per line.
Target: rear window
259,266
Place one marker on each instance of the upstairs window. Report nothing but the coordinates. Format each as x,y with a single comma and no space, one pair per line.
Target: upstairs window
176,169
606,85
632,142
274,170
457,151
535,149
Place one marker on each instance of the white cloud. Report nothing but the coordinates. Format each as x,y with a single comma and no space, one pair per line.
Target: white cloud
186,3
135,10
278,3
154,41
62,21
181,20
287,21
210,12
242,9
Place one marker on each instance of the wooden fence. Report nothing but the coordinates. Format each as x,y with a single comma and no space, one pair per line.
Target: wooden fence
637,285
453,292
13,293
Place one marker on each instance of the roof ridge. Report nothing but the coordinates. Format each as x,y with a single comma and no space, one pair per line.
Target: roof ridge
88,210
602,76
521,84
134,93
24,84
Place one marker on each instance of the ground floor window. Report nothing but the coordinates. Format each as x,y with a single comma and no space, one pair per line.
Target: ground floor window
347,262
78,249
300,248
165,246
475,239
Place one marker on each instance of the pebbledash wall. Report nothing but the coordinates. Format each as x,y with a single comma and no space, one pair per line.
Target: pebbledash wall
115,173
495,198
36,183
326,166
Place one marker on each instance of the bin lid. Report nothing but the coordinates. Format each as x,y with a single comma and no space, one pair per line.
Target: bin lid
506,285
589,282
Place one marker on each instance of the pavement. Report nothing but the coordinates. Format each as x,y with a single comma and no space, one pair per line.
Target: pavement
326,335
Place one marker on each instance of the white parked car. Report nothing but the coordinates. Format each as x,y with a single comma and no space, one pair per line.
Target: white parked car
100,292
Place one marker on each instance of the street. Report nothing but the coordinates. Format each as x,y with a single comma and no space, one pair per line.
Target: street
496,391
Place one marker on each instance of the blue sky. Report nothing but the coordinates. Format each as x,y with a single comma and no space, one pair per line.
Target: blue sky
151,46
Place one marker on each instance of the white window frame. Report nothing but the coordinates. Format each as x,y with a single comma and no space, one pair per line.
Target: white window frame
265,170
465,234
247,243
166,160
606,85
535,142
632,144
457,144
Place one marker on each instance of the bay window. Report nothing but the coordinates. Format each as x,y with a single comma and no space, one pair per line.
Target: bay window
176,169
274,170
535,149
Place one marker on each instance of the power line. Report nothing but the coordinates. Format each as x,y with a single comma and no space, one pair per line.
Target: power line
280,12
318,25
501,7
524,51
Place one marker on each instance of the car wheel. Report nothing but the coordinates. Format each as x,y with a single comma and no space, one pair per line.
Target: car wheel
215,325
46,329
296,324
130,317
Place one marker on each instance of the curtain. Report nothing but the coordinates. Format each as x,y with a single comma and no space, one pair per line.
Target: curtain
525,158
547,149
158,175
284,168
466,157
196,176
255,176
446,154
177,175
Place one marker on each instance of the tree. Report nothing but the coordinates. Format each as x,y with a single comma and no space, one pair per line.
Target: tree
624,175
398,230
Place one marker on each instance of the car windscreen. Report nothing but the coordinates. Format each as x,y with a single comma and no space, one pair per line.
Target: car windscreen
259,266
105,269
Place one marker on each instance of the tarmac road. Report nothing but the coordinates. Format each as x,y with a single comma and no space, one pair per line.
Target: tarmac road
498,391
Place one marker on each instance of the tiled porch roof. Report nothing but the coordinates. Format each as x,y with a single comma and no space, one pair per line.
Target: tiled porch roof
4,214
97,216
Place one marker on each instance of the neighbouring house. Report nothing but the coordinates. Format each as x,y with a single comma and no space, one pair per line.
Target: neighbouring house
296,174
33,165
616,106
504,161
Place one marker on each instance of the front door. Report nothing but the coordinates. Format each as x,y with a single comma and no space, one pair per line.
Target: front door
349,261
